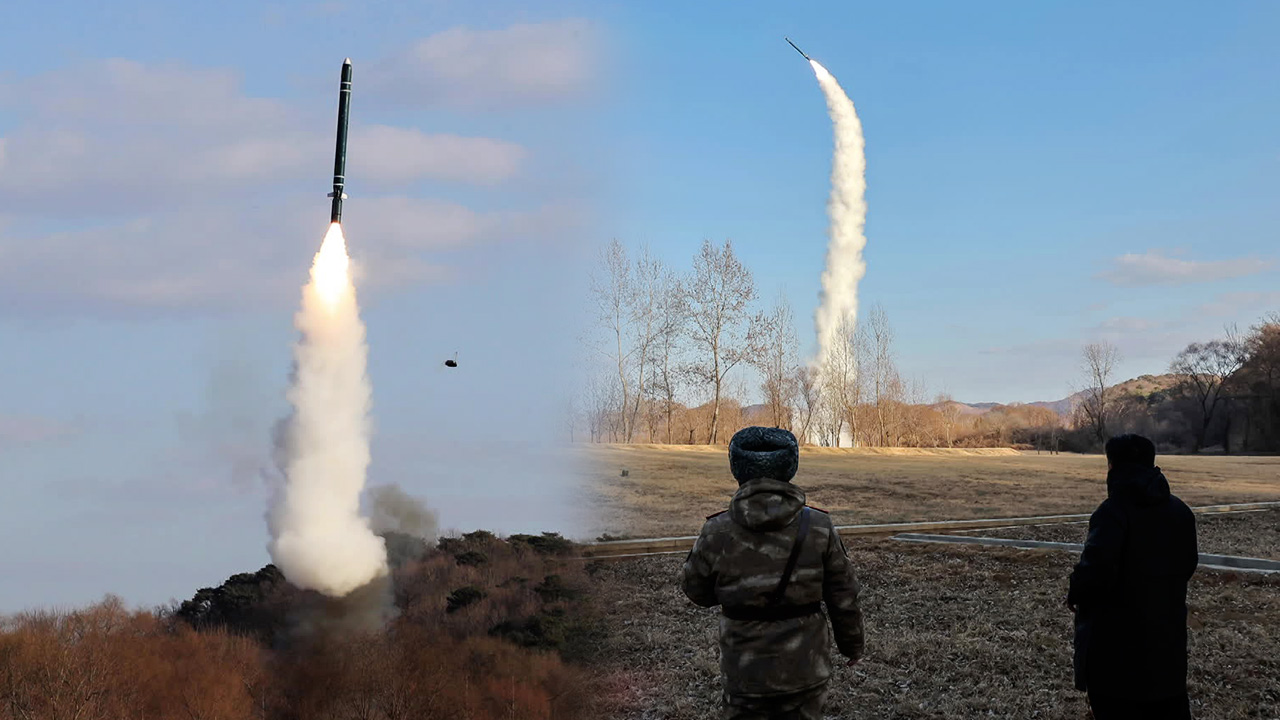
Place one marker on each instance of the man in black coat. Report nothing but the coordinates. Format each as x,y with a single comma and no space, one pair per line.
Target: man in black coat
1129,591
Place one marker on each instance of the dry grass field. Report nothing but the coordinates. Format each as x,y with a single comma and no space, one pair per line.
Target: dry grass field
1249,534
952,632
670,489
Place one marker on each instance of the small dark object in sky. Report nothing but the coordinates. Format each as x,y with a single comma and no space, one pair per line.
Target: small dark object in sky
453,362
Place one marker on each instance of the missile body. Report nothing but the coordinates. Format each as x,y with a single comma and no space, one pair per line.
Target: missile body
806,57
340,152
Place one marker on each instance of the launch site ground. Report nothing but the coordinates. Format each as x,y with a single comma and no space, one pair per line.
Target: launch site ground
669,490
953,631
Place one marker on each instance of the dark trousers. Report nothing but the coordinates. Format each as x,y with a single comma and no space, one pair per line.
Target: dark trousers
804,705
1120,708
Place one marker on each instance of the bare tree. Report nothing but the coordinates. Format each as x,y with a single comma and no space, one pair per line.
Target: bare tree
672,315
950,410
627,296
809,399
921,425
601,407
885,385
571,415
718,295
842,382
777,362
830,424
614,291
1204,369
649,277
1099,362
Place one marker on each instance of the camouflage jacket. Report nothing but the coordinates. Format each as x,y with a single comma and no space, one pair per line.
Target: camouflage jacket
737,562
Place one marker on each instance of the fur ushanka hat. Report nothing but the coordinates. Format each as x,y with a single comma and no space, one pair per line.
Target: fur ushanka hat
763,452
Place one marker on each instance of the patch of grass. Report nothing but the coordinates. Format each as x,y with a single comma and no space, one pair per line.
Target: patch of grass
672,488
1249,534
952,632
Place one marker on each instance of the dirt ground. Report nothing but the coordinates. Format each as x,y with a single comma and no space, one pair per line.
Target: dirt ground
986,635
1251,534
668,490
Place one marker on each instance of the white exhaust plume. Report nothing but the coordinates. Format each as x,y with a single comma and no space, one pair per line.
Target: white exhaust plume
319,539
847,210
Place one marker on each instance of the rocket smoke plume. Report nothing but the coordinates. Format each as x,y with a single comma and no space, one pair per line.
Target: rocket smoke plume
319,540
847,210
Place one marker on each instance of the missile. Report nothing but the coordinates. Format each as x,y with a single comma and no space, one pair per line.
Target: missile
806,57
340,151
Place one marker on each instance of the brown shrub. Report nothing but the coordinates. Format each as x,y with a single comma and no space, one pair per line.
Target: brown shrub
106,662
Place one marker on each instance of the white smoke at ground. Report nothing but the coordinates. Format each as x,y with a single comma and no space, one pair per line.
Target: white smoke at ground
847,210
405,523
391,509
319,539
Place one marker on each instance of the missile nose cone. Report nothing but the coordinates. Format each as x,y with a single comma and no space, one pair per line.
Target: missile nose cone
347,61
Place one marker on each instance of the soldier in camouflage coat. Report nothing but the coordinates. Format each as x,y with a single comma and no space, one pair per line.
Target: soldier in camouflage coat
775,650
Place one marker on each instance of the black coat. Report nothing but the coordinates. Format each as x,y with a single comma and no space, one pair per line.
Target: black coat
1130,589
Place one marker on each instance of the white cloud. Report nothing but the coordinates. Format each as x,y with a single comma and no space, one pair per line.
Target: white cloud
390,155
417,225
201,256
1242,306
117,92
1155,268
137,185
119,136
521,65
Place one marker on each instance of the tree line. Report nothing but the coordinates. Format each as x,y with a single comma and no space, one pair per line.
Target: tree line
1222,394
671,346
675,342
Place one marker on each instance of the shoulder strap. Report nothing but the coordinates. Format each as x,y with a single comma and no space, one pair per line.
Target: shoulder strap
801,534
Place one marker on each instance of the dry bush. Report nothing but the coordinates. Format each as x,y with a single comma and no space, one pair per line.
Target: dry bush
503,655
107,662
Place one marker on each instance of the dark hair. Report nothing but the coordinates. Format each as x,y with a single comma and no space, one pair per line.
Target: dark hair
1131,449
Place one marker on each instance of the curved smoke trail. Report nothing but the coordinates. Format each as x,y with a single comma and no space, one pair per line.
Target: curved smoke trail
847,209
319,539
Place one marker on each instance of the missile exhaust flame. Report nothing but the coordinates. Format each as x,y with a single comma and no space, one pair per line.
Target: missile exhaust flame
329,272
319,539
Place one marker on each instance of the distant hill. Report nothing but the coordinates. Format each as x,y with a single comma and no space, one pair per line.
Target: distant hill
1062,407
1143,385
1147,384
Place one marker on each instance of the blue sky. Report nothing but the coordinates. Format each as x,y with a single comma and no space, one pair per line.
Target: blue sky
1015,153
1039,176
